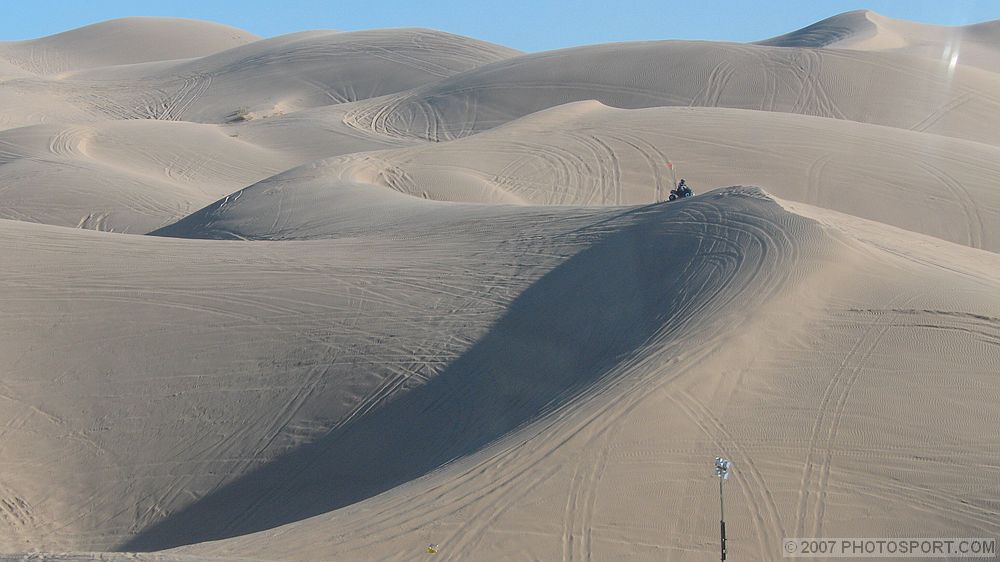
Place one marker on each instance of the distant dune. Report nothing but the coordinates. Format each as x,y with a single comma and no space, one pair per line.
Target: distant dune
864,30
283,74
123,41
344,295
851,85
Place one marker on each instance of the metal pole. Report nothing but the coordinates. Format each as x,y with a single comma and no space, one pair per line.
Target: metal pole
722,521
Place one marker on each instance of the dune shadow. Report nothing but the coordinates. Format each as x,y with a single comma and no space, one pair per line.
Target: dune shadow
562,333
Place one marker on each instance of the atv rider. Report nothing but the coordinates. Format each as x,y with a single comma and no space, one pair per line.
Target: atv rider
681,191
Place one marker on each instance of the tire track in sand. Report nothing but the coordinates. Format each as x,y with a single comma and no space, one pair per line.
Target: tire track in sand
964,200
872,334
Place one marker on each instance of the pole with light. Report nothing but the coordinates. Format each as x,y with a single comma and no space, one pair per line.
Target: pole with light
723,468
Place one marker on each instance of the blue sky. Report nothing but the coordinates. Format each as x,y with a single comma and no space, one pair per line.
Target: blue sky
526,25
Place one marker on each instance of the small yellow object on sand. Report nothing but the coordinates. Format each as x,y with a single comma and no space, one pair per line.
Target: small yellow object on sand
432,549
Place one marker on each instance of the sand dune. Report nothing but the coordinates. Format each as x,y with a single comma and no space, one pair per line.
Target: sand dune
265,78
852,85
123,41
822,402
668,378
294,357
974,45
296,71
123,176
411,288
314,134
138,175
167,172
590,154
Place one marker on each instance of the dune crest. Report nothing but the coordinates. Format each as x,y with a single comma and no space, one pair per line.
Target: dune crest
975,45
123,41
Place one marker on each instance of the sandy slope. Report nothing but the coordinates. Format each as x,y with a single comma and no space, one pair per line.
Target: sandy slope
264,78
138,175
123,176
854,403
123,41
589,154
293,356
852,85
496,344
157,173
864,30
302,337
282,74
824,333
